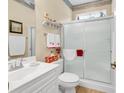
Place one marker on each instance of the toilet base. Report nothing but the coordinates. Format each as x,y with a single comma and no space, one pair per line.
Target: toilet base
67,90
70,90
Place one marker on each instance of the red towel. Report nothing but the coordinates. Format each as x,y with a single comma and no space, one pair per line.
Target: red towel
80,52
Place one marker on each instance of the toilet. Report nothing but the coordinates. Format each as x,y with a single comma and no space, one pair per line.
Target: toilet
68,81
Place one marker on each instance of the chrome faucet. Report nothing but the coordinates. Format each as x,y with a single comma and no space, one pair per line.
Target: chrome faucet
15,65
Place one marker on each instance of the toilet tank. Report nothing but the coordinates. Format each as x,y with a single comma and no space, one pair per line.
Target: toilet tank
60,62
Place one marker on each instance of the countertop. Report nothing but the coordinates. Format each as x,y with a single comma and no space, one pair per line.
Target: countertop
40,70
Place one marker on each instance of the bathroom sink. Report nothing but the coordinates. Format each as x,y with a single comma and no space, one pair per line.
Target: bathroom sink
30,69
20,74
33,64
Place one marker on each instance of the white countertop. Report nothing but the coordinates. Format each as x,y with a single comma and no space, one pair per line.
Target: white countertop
39,70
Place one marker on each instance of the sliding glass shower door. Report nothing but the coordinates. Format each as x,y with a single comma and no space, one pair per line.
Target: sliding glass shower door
94,37
73,38
98,50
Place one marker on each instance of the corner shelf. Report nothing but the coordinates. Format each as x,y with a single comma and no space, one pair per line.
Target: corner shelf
53,25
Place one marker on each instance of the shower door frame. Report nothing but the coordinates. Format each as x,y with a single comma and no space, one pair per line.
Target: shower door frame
62,39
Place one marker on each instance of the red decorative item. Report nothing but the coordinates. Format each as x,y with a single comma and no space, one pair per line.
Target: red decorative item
51,59
58,50
46,59
80,52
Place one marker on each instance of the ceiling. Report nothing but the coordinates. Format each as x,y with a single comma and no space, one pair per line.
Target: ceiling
28,3
71,3
79,2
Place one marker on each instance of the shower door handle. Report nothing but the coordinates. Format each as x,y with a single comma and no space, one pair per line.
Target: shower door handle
113,65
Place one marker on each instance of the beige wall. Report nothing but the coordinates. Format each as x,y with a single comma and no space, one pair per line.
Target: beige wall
94,7
114,7
19,12
56,9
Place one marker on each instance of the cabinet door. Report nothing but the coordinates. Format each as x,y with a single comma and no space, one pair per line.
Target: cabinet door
42,91
50,40
98,50
57,40
52,87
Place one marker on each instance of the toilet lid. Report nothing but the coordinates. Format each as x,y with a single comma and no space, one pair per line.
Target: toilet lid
68,77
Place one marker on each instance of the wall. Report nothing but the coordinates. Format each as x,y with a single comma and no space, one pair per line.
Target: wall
56,9
114,7
93,7
19,12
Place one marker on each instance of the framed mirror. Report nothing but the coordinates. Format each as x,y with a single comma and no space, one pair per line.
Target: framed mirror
15,27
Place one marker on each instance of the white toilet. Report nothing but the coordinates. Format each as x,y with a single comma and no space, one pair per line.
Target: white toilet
68,81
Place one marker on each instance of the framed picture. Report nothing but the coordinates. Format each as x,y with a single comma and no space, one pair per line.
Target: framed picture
15,27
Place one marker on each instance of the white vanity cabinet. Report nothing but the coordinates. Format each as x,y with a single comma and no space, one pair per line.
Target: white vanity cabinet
46,83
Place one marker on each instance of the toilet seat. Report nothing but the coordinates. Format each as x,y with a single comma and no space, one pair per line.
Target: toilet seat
68,82
69,77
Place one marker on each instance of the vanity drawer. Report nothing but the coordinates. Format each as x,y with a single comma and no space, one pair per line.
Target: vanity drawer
44,81
51,85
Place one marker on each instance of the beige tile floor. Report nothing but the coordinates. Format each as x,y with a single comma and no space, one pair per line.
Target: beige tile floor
86,90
